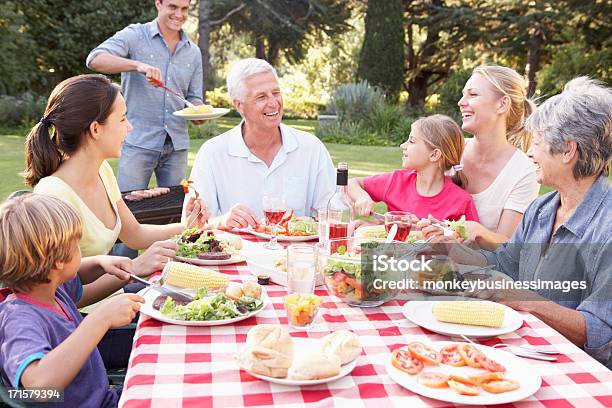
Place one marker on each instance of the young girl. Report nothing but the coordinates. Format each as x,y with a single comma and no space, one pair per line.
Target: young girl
434,146
45,341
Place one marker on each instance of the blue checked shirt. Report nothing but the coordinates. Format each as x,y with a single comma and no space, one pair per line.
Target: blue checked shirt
150,108
580,250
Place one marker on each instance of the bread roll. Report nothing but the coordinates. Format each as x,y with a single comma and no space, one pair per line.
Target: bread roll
252,289
268,351
264,361
234,291
233,241
316,367
272,336
343,343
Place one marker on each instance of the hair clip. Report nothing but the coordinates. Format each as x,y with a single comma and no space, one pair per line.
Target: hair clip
458,167
45,121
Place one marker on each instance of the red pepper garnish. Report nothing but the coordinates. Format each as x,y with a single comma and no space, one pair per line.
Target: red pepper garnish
185,184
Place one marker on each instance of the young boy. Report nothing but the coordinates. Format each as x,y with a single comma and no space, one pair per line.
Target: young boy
44,341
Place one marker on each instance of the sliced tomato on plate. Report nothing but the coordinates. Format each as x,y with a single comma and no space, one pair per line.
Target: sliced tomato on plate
480,378
500,386
403,360
433,380
470,354
489,364
424,353
463,389
462,380
451,356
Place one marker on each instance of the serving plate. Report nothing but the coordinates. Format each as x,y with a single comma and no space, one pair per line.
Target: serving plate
517,369
216,113
302,347
421,313
151,295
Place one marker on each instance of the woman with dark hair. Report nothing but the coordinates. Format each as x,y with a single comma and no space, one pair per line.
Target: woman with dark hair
84,124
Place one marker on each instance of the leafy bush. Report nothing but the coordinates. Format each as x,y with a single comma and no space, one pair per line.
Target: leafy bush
354,101
21,110
205,131
451,91
219,98
384,125
348,133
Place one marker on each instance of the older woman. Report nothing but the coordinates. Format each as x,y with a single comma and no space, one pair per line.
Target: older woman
565,237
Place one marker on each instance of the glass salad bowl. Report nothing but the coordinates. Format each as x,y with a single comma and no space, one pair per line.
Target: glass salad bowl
349,274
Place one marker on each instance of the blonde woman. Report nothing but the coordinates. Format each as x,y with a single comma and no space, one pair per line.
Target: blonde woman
434,147
502,179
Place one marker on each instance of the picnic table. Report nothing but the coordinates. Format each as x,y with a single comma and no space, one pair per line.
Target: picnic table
186,366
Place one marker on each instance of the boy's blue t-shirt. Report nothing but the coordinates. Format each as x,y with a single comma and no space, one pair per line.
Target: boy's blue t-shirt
30,329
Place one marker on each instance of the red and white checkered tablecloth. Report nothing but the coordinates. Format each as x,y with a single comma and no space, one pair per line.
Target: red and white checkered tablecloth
181,366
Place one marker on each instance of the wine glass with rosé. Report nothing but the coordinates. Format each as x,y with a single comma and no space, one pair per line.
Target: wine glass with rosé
274,207
403,220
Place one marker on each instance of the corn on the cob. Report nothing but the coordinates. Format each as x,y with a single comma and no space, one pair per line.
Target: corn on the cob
474,313
194,277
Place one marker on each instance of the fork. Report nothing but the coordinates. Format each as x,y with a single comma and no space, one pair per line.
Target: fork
520,351
179,96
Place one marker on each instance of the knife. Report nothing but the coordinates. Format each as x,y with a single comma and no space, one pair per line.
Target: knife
181,297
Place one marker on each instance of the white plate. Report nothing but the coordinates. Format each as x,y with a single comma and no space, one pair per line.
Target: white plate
280,238
420,313
151,295
261,261
210,262
516,369
301,348
217,113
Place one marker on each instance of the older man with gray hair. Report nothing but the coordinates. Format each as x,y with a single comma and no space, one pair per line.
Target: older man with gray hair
234,170
563,246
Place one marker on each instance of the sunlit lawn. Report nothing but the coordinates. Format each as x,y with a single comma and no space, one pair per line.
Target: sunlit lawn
363,160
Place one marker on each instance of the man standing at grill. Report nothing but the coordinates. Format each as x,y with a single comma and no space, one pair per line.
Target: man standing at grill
142,53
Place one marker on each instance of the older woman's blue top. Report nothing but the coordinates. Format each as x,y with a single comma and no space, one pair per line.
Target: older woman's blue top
579,251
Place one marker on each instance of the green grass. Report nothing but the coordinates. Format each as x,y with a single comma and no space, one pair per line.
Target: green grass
363,160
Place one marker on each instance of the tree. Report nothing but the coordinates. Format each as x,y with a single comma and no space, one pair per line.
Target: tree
18,68
436,34
282,26
63,32
381,60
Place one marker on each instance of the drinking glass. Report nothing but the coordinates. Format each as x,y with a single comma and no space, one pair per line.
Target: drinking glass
403,221
301,268
301,304
274,207
322,224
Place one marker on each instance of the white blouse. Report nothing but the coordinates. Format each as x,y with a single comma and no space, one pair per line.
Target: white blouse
514,188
